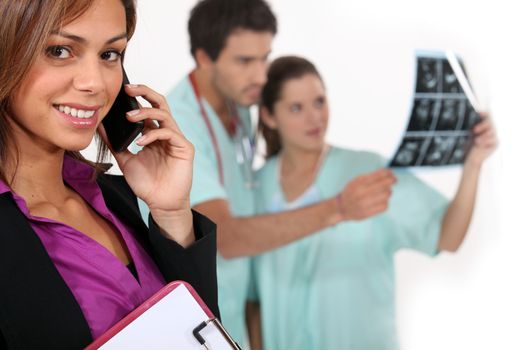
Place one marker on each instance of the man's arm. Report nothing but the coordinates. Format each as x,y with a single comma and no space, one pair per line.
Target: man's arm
365,196
253,235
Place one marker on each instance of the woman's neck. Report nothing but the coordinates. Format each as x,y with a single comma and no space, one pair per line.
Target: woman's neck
38,177
298,170
300,160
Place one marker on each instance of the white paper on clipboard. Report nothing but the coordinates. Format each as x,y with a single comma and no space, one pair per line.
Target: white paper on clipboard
166,321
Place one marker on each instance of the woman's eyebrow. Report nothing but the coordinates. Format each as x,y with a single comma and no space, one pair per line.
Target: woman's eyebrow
82,40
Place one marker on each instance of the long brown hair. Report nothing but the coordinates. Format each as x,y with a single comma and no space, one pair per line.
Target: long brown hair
24,29
281,70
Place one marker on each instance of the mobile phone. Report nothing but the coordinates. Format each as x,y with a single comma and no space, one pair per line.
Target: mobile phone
119,130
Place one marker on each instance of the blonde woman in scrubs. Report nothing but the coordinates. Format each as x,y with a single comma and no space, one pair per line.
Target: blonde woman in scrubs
335,289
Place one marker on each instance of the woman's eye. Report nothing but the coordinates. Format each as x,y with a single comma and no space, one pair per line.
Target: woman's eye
61,52
111,55
295,108
319,103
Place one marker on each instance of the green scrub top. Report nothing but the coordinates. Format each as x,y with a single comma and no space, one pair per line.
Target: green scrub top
335,289
233,275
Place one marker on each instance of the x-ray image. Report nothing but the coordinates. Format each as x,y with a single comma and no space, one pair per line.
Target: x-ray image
471,118
408,153
451,114
439,150
423,114
427,75
450,81
440,125
460,151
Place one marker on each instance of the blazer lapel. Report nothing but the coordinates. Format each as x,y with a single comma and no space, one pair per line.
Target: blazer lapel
122,202
37,310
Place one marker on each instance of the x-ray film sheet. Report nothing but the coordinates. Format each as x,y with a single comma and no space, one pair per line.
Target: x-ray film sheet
442,116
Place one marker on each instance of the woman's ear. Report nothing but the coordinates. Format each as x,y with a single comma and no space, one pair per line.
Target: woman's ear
267,118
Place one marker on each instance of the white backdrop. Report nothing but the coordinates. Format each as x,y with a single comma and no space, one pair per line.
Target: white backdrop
364,49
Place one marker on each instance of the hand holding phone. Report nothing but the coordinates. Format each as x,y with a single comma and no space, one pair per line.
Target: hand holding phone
161,173
119,130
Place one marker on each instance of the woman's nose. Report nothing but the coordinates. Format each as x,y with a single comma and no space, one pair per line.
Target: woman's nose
315,115
90,77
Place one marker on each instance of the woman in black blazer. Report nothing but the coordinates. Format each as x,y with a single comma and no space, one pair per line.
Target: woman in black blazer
75,256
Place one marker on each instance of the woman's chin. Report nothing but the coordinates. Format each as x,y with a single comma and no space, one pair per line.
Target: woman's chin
77,146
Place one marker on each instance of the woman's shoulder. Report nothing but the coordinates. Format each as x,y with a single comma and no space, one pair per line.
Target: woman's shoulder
353,157
342,165
266,176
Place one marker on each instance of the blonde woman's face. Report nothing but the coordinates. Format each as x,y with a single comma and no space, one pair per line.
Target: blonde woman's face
301,115
74,82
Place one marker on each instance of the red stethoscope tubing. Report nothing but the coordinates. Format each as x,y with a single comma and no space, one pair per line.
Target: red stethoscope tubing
209,126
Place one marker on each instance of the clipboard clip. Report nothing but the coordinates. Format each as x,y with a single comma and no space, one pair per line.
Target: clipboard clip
215,322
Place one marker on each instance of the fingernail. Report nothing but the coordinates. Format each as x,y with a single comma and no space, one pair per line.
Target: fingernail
132,86
141,139
133,112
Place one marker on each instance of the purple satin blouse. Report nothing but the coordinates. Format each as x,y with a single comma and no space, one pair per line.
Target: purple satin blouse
103,286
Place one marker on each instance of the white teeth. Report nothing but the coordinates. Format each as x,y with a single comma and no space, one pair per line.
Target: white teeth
77,113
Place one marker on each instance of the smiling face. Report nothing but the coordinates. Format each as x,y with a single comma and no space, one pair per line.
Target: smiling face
300,116
73,83
239,73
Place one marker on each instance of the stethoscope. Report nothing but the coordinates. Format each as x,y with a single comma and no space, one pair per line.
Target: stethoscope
244,144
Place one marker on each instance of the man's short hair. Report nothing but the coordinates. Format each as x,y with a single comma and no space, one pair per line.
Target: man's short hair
212,21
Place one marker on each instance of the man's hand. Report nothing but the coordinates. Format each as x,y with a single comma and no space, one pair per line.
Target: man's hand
366,195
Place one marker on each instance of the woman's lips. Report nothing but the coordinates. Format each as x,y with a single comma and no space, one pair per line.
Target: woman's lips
80,116
314,132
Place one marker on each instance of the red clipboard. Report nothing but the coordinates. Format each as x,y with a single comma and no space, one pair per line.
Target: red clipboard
177,304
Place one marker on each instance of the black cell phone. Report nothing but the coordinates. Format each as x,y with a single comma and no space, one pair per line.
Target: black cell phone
120,131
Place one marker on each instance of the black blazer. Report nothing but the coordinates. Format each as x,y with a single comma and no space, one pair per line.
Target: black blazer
37,309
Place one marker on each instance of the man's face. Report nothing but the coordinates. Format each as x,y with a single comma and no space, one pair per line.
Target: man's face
239,73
